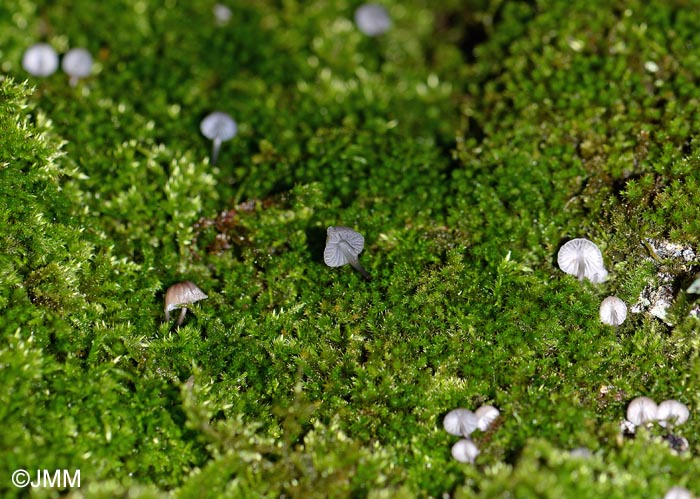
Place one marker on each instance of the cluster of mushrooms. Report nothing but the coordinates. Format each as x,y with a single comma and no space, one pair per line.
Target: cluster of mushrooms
42,60
462,423
643,411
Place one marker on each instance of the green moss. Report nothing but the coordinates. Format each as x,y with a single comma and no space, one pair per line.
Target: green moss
466,145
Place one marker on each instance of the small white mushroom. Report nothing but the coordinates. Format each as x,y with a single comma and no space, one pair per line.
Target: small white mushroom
582,258
218,127
465,451
372,19
222,14
77,63
678,493
486,415
343,245
672,412
641,410
179,295
460,422
613,311
40,60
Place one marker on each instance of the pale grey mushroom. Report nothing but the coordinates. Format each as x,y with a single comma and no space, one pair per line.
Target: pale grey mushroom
465,451
343,245
672,412
218,127
460,422
77,63
372,19
222,14
582,258
40,60
613,311
486,415
678,493
180,295
641,410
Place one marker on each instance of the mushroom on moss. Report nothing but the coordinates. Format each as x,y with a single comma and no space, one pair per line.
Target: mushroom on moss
582,258
218,127
180,295
613,311
672,412
40,60
465,451
460,422
343,245
486,415
372,19
642,410
77,63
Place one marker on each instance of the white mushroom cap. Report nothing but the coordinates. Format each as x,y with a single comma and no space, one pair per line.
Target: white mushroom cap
678,493
460,422
40,60
613,311
465,451
372,19
182,294
218,126
77,63
641,410
582,258
340,238
222,14
672,411
486,415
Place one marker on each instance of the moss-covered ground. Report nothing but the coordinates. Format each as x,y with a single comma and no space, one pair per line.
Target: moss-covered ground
466,144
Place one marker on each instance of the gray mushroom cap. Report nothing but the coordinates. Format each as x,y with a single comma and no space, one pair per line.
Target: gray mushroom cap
678,493
179,295
372,19
613,311
40,60
465,451
460,422
77,63
642,410
343,245
218,126
582,258
486,415
673,412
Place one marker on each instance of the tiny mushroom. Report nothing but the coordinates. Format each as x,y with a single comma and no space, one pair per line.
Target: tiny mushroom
613,311
77,63
486,415
343,245
460,422
641,410
678,493
179,295
219,127
582,258
40,60
672,412
222,14
372,19
465,451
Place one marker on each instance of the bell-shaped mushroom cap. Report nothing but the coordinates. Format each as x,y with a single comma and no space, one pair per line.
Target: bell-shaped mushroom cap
486,415
222,14
673,412
582,258
77,63
613,311
678,493
339,242
465,451
182,294
641,410
218,126
372,19
460,422
40,60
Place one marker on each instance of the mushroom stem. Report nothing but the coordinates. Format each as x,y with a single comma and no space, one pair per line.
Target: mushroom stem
581,268
182,316
73,81
353,261
215,148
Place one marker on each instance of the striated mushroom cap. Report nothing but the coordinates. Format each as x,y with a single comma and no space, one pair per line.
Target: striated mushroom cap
218,126
486,415
372,19
465,451
460,422
182,294
613,311
673,412
342,243
641,410
582,258
77,63
40,60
